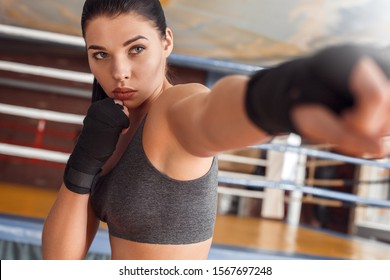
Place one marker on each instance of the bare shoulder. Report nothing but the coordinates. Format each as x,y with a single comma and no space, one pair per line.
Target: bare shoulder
179,92
161,136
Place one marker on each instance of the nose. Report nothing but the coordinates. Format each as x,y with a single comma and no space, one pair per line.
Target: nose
121,70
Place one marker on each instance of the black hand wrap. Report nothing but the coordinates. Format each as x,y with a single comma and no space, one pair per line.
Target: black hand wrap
320,79
102,126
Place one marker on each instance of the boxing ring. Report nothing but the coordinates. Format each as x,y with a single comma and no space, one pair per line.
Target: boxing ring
288,161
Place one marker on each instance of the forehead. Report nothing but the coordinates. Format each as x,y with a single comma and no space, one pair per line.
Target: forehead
106,28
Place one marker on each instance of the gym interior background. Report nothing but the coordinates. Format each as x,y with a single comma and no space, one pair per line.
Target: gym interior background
285,199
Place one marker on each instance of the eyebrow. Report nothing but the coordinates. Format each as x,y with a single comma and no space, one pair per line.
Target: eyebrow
125,44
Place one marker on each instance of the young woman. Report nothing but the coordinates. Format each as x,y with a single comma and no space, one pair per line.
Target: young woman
145,160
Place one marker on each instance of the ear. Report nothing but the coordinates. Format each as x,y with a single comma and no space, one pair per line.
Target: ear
168,42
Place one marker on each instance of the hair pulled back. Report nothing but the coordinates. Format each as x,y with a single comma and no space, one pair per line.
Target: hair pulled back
149,9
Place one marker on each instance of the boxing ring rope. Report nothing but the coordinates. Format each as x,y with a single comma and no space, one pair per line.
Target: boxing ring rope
230,178
324,155
221,66
46,72
256,182
33,153
282,148
41,114
291,186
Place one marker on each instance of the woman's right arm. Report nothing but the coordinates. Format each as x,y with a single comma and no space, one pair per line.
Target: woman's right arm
70,227
71,224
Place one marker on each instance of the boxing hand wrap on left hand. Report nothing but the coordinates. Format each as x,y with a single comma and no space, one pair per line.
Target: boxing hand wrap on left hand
103,125
320,79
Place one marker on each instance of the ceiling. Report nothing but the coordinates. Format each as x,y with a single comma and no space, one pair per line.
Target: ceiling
256,32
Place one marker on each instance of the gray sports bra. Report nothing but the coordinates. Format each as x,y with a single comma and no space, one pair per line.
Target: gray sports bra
141,204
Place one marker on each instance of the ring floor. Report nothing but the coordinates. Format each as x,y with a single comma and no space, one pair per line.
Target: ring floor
24,208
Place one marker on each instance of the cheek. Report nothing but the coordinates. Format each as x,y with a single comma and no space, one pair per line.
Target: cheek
152,70
101,76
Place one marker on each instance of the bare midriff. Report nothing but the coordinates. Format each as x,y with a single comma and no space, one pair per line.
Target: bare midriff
122,249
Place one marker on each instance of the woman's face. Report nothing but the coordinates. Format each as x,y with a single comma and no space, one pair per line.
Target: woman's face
127,56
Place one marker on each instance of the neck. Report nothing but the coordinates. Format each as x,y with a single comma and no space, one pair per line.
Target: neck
141,111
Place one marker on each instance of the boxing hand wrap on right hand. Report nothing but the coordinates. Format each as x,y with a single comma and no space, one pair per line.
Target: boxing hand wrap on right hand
103,125
320,79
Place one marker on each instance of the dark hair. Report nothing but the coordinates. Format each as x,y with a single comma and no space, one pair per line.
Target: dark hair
150,9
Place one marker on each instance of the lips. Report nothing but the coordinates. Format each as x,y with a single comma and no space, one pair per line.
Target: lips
123,93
